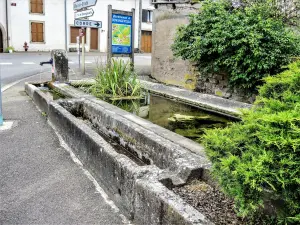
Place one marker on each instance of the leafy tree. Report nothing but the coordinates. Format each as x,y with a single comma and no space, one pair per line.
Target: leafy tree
247,43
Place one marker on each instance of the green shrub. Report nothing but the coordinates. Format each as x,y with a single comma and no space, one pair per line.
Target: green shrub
258,159
116,80
246,43
10,48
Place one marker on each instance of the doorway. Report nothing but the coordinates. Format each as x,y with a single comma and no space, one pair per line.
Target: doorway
1,41
94,39
146,41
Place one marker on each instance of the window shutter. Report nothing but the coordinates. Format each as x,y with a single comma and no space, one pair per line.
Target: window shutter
40,6
33,32
40,32
37,32
37,6
33,6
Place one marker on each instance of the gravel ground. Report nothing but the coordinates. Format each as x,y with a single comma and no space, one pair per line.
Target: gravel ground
212,203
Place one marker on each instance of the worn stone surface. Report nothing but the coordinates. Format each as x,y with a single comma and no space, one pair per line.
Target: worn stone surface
165,67
169,208
60,63
135,189
166,134
218,84
205,101
146,144
115,171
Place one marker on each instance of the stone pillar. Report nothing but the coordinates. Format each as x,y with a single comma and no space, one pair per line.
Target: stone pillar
165,67
61,65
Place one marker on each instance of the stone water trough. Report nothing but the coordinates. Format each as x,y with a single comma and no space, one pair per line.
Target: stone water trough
137,162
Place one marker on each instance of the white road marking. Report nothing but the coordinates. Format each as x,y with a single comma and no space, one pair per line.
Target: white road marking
4,88
88,62
28,63
7,125
6,63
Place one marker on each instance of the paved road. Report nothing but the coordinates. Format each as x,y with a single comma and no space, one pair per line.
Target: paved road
40,183
17,66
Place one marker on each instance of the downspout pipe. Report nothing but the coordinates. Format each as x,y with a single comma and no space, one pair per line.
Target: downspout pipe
6,14
66,27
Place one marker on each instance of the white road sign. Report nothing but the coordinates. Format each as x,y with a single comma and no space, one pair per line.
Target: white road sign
85,13
88,23
79,4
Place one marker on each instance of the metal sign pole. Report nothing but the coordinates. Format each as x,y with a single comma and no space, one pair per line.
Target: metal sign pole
83,55
78,51
132,38
1,115
109,35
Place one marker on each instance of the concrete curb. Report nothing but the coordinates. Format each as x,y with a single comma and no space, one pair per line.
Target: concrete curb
137,190
208,102
215,104
40,98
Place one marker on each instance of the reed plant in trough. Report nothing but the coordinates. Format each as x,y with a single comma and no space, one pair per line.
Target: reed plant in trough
116,81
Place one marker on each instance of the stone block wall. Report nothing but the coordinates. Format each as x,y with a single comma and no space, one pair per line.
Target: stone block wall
217,84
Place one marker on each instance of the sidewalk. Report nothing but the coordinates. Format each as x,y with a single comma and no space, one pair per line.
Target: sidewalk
39,182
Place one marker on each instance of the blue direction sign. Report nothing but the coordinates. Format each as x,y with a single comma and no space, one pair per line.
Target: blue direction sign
88,23
79,4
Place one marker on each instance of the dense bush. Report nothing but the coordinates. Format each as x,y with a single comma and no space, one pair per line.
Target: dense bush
258,159
287,10
247,43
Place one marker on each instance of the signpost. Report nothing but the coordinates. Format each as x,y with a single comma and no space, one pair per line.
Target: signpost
83,4
83,14
120,34
87,23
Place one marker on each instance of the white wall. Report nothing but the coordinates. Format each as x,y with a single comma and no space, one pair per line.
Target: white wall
3,21
53,18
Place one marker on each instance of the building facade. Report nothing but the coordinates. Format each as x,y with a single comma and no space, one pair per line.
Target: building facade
48,24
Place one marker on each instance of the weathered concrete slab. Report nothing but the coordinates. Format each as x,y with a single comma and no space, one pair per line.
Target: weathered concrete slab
137,190
173,137
205,101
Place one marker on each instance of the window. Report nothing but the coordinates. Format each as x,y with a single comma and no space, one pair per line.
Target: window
37,32
37,6
147,16
74,32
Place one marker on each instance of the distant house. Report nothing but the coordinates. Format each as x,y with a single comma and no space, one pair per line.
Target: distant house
41,23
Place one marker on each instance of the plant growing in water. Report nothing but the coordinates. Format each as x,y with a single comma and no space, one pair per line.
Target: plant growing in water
116,80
